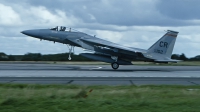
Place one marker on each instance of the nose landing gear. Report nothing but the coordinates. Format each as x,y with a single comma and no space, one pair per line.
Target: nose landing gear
71,50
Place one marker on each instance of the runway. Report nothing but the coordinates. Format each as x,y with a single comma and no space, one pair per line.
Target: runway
99,74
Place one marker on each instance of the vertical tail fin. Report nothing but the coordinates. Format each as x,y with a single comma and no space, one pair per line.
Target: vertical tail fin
165,44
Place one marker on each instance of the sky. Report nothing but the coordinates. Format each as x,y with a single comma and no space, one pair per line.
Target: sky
133,23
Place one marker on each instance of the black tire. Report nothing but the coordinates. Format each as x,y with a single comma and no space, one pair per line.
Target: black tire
115,65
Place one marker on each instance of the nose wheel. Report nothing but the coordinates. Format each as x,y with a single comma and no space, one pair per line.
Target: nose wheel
115,65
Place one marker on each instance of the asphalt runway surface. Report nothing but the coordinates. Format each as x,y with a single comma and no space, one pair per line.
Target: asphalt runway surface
99,74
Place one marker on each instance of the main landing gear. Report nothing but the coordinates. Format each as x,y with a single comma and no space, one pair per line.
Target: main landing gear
115,65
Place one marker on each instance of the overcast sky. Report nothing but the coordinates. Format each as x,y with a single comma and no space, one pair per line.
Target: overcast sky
134,23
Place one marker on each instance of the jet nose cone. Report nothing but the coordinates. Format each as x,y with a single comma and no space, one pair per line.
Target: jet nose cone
24,32
33,33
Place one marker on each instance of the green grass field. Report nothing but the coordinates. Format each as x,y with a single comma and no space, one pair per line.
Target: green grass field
72,98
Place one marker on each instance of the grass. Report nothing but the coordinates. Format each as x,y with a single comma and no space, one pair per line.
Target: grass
62,98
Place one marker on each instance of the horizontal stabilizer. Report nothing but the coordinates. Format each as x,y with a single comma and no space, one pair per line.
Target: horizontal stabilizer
170,60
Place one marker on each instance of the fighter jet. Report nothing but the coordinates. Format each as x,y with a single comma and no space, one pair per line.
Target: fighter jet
106,51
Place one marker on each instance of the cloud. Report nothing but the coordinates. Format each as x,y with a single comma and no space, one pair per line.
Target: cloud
18,18
180,9
8,17
43,16
126,13
134,23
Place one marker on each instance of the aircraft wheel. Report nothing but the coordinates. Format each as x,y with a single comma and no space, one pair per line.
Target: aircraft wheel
115,65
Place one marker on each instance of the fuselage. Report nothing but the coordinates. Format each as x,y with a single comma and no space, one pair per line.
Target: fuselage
76,39
106,51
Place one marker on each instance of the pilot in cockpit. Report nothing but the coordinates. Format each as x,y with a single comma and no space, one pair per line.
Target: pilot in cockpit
59,28
62,28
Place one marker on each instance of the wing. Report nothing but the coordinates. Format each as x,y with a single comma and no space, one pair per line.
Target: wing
160,51
114,46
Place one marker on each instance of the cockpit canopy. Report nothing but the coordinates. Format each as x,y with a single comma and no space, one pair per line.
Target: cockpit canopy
59,28
63,28
67,29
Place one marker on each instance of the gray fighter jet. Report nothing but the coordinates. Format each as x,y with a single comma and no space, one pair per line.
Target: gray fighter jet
159,52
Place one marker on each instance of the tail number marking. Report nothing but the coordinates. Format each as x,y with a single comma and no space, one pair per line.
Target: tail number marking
158,51
163,44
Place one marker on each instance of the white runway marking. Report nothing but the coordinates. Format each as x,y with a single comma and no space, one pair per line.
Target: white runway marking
96,67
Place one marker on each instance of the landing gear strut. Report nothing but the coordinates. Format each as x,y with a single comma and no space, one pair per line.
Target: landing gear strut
71,49
115,65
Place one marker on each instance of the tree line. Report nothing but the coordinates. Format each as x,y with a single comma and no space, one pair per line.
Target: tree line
40,57
64,57
184,58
